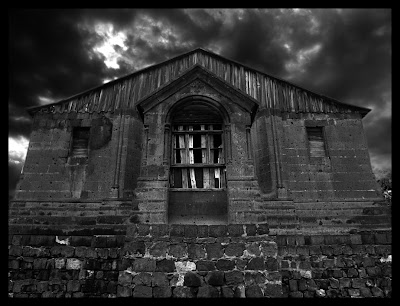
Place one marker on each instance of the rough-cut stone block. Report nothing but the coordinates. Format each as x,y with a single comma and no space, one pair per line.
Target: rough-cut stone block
254,291
358,283
202,231
215,278
81,241
159,279
227,292
142,291
73,264
196,251
365,292
102,253
124,278
142,278
233,277
217,231
205,265
144,265
256,263
273,290
352,272
377,292
183,292
235,230
367,238
207,292
271,264
143,229
99,242
368,262
191,280
214,250
178,250
135,248
253,248
124,291
162,292
355,239
262,229
293,285
165,265
158,249
234,249
177,230
251,229
112,287
334,283
15,251
317,239
190,231
269,249
225,264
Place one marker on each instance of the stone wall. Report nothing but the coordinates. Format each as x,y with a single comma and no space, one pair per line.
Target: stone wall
199,261
345,174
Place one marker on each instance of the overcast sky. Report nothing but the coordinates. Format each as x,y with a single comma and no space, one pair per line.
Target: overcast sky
341,53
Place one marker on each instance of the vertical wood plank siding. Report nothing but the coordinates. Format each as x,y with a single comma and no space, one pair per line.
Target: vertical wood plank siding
270,92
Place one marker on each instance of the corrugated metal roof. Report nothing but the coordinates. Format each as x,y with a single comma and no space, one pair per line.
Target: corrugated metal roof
270,91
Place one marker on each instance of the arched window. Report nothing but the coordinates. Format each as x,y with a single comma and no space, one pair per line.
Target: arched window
197,172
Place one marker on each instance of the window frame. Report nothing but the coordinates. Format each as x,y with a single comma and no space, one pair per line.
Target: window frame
221,164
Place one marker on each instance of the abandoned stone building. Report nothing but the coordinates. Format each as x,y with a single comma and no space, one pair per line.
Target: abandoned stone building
198,177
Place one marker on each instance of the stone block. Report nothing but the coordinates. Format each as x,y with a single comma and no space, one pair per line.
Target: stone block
102,253
317,239
327,250
142,278
73,264
352,272
367,238
183,292
177,230
196,251
358,283
190,231
208,292
355,239
293,285
233,277
234,249
215,278
124,291
256,263
191,280
143,229
112,287
217,231
354,293
214,250
81,241
124,278
251,229
262,229
241,263
273,290
202,231
368,262
158,249
159,279
334,283
377,292
141,291
162,292
271,264
226,292
269,249
15,251
254,291
365,292
315,250
225,264
99,242
253,249
205,265
135,248
165,265
178,250
235,230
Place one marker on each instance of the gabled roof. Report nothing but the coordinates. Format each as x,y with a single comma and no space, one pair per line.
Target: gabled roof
198,72
270,91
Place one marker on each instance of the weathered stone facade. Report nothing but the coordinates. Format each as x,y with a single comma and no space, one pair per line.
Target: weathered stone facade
96,212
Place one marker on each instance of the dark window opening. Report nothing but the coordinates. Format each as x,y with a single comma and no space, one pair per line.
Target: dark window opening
80,142
316,142
198,157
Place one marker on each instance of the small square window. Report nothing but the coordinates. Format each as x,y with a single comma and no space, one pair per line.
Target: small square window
80,142
316,142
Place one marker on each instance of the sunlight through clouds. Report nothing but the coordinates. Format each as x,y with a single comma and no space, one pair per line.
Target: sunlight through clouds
17,148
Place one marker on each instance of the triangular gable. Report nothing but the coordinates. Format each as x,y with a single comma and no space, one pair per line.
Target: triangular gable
198,72
270,91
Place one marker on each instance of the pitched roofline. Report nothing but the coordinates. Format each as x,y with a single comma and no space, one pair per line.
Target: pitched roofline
363,110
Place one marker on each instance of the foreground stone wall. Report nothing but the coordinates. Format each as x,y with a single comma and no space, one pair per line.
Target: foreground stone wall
199,261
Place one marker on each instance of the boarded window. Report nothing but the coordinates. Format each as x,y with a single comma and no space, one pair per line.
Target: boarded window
316,141
80,142
197,157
